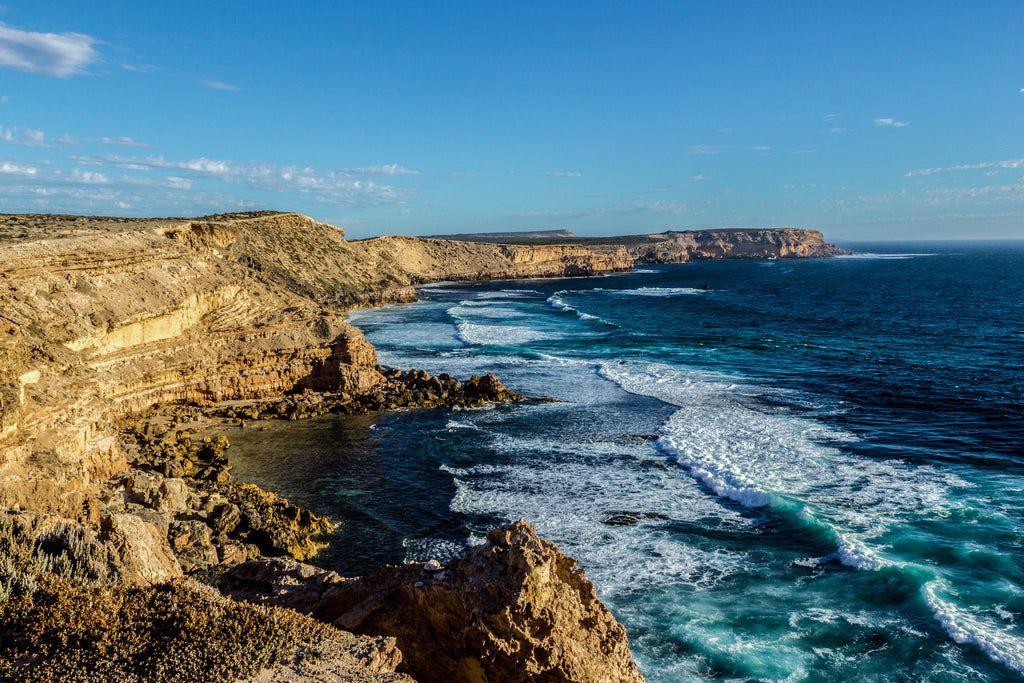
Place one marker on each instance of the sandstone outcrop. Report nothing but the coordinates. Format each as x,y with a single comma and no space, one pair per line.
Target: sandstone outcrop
515,609
410,389
243,315
103,318
680,246
702,245
430,260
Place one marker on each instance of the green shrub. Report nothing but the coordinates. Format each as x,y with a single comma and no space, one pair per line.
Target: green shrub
322,329
67,550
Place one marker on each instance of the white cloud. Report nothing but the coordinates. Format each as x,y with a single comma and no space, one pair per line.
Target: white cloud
987,193
802,151
88,177
217,85
5,99
761,148
52,54
665,207
457,174
705,149
563,174
30,137
27,137
1009,163
139,69
122,141
386,170
891,122
347,186
15,169
697,178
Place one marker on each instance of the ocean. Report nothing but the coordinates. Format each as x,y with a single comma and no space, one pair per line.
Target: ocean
788,470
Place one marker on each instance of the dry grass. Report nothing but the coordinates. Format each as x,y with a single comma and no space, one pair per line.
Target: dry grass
66,631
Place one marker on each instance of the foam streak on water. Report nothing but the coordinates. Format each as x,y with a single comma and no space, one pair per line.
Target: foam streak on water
766,478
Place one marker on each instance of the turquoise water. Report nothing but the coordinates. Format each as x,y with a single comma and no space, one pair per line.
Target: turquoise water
824,457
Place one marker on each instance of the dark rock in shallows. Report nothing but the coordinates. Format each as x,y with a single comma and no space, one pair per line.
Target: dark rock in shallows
628,517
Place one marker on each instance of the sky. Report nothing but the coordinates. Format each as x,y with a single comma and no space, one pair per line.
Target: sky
895,120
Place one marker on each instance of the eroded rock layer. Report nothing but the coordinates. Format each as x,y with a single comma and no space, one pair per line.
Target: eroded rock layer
701,245
101,319
515,609
107,317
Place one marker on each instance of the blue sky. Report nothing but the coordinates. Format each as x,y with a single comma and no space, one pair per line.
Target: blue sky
865,120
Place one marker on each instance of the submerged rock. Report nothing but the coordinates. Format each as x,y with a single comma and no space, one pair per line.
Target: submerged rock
628,517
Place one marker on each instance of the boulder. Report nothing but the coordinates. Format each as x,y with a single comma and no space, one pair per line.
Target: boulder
515,609
143,547
171,496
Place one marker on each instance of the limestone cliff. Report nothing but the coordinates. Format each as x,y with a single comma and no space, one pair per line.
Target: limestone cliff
682,246
429,260
101,318
679,247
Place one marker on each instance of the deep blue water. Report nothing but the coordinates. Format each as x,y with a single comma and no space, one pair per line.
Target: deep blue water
827,454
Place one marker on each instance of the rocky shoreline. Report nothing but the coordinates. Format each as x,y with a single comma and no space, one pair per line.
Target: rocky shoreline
119,338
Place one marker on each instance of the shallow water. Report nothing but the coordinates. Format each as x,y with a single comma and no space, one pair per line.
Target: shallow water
825,456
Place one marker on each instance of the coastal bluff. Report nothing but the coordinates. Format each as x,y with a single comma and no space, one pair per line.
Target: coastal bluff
675,246
103,320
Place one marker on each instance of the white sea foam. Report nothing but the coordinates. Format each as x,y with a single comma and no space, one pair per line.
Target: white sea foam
785,462
486,309
432,548
658,291
507,294
566,502
895,257
559,303
967,627
500,335
453,425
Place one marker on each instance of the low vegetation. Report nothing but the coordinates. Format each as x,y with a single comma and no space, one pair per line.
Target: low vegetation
180,631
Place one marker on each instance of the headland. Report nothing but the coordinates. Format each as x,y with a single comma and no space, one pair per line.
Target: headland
122,339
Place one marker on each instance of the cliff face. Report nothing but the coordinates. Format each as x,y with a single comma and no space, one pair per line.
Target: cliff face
679,247
428,260
101,318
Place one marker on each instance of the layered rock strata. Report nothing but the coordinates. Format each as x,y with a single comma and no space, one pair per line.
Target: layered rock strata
103,318
680,246
703,245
